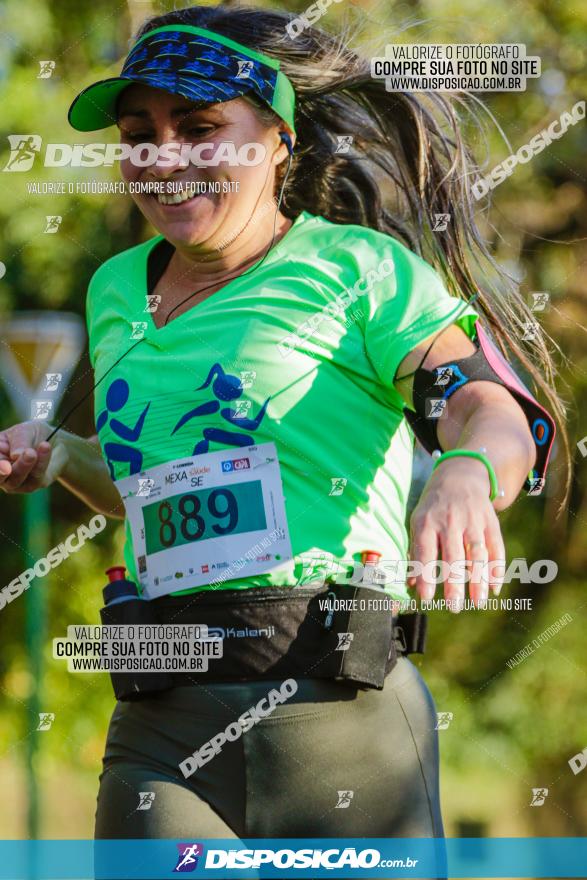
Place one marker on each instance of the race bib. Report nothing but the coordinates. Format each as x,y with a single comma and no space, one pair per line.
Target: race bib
207,519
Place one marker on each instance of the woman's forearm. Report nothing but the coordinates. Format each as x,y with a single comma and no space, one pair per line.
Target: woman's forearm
455,519
86,474
486,415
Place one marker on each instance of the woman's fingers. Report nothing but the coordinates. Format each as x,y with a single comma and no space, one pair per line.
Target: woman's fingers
497,558
477,556
24,457
467,539
23,437
5,466
424,549
20,470
43,457
451,543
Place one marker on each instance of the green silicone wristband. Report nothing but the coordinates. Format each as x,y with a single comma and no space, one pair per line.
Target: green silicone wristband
470,453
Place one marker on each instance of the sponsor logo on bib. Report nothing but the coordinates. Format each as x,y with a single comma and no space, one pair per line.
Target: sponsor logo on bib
236,464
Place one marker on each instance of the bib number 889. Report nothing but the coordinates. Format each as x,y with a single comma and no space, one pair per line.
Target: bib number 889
192,526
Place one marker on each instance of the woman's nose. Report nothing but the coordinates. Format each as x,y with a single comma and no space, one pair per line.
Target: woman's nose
172,155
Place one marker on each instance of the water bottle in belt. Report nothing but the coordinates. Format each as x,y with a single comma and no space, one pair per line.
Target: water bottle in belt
123,606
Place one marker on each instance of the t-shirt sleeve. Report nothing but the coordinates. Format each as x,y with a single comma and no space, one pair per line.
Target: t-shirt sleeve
405,307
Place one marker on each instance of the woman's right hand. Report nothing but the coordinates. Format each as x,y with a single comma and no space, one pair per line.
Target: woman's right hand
27,461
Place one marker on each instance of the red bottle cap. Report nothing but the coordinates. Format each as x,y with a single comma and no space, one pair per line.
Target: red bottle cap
116,573
370,557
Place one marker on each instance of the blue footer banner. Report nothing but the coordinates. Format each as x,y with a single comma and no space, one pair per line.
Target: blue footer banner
417,858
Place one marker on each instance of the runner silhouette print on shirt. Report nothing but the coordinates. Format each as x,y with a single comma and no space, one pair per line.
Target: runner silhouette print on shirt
116,398
225,388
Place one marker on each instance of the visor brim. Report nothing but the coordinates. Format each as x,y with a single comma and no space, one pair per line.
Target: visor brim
96,107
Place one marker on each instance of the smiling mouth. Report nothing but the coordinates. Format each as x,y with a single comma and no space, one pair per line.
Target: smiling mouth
176,198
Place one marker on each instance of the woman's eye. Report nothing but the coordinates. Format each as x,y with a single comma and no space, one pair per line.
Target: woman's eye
137,136
201,130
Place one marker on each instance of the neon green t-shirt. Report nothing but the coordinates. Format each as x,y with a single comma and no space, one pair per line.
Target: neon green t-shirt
314,335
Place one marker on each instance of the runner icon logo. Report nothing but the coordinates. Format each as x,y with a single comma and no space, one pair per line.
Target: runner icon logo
536,485
435,408
344,641
146,799
539,301
443,375
539,795
153,302
444,719
23,149
440,223
41,409
138,329
344,143
244,69
531,331
46,69
46,719
188,857
52,381
344,800
53,223
338,485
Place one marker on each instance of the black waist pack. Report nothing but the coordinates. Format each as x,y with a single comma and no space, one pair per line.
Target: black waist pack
335,631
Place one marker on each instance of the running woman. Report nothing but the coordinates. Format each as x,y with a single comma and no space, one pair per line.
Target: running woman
295,336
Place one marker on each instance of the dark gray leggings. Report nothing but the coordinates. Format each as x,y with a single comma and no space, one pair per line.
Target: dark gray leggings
282,778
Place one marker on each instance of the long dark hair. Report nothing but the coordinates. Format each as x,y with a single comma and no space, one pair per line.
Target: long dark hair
408,162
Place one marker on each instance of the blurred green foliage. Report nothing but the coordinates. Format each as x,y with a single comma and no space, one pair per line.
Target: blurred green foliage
512,730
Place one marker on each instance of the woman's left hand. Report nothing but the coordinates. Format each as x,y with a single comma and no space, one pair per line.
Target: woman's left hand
455,522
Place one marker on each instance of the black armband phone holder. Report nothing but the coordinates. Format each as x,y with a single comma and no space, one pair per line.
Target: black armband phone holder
432,388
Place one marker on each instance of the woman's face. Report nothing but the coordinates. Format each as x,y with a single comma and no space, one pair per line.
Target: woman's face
149,115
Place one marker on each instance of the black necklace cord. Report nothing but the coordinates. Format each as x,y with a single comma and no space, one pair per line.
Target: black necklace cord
257,265
237,275
93,388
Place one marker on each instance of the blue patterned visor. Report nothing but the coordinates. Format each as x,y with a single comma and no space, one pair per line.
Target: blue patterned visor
199,65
